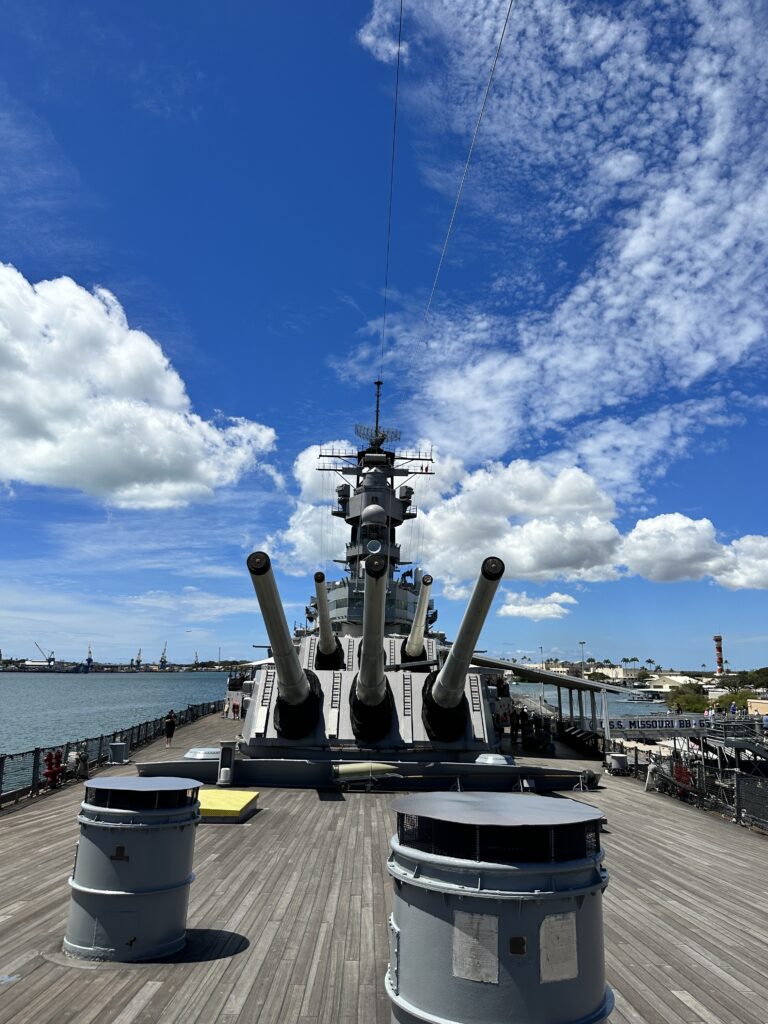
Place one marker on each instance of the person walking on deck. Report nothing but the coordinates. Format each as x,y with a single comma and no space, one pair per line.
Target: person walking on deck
514,725
170,726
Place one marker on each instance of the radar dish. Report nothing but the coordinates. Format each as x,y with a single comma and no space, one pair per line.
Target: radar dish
374,436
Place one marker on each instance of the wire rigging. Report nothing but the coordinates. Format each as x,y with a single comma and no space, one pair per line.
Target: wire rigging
466,172
391,191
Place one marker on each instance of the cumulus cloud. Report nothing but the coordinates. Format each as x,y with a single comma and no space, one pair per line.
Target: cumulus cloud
314,483
90,403
311,538
553,606
674,547
546,523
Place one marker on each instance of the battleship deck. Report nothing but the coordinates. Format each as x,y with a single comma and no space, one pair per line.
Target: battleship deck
287,917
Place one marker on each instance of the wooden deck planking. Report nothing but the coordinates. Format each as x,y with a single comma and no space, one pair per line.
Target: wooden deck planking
303,889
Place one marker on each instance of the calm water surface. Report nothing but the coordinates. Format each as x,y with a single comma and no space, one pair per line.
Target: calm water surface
42,709
618,707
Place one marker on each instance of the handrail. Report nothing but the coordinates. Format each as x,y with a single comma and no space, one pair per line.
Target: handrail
21,773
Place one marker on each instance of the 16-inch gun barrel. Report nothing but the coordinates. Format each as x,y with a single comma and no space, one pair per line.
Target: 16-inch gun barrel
414,645
371,687
293,685
448,688
326,641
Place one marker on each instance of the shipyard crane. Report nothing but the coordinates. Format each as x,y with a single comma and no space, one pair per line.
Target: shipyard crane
163,663
50,658
89,660
137,661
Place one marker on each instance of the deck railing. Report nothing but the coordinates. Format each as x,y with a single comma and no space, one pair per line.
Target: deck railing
23,774
741,796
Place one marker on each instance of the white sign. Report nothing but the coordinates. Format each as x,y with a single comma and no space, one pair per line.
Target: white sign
666,722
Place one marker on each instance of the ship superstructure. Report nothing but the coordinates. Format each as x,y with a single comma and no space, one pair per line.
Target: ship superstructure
374,498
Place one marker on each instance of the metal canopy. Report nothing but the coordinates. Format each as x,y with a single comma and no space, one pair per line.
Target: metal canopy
538,675
506,809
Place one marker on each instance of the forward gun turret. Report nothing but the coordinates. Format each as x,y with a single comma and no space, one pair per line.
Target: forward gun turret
444,709
297,708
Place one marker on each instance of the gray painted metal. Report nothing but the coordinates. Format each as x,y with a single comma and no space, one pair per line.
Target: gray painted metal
371,682
118,752
414,645
292,683
496,809
478,943
448,688
133,867
326,639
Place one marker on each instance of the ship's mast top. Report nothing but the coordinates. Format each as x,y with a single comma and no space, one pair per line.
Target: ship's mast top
372,507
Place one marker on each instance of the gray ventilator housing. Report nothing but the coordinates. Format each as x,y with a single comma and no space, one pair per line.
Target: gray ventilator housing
133,868
497,911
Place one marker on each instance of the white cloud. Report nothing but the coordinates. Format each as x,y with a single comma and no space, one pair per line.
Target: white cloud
315,484
749,565
623,454
672,295
379,33
92,404
553,606
541,524
193,605
311,538
545,523
672,547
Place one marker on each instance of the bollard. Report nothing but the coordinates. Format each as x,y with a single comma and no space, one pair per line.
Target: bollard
133,868
497,911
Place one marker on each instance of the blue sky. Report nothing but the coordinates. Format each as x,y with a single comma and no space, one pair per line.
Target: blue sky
193,219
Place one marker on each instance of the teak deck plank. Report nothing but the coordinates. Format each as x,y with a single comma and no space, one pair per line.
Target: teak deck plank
288,915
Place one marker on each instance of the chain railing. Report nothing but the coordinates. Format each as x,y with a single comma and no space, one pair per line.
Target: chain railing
24,774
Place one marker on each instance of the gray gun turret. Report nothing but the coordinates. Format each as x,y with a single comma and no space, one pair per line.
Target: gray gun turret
329,653
298,704
444,704
413,649
371,700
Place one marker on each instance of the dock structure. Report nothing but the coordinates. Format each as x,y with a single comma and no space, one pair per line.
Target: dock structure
288,915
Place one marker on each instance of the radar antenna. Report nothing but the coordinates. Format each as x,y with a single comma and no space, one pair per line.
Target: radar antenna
376,435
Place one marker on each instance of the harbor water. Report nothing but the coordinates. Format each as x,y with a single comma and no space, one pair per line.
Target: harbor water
619,704
41,709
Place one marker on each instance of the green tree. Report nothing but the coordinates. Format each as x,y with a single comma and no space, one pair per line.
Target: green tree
739,696
690,697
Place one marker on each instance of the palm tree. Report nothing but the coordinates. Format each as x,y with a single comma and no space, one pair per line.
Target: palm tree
649,662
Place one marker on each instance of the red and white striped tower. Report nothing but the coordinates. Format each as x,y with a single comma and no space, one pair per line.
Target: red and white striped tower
718,653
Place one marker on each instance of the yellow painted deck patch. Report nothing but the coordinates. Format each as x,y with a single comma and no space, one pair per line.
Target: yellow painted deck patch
233,805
